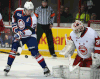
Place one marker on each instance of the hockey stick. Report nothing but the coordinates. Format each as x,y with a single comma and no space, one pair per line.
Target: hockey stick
18,52
9,53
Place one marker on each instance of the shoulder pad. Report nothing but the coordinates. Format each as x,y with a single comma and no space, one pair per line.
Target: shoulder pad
19,9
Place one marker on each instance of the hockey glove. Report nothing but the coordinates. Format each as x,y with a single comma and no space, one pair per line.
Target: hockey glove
18,35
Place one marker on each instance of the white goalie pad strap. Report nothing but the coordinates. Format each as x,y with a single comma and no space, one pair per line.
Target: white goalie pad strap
95,60
68,49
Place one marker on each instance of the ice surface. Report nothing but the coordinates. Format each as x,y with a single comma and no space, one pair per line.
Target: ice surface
28,68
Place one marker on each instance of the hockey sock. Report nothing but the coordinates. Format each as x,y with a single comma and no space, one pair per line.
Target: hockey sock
11,58
39,58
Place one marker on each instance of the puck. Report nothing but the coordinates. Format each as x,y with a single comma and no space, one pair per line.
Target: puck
26,56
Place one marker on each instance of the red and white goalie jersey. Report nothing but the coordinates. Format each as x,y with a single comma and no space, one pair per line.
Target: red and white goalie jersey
86,44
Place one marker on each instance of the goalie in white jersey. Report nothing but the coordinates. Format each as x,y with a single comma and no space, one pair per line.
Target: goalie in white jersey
85,40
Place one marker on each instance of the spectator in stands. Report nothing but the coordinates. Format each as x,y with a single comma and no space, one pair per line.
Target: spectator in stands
5,14
84,16
1,40
7,40
68,16
93,16
62,9
62,17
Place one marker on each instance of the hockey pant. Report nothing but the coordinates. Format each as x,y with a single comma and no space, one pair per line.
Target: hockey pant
83,63
31,42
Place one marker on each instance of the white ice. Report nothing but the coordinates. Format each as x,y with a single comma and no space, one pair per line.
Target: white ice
28,68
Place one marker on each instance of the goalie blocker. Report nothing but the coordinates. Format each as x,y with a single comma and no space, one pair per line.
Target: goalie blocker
69,47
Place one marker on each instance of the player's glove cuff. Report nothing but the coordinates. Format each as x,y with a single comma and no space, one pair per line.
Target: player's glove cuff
19,35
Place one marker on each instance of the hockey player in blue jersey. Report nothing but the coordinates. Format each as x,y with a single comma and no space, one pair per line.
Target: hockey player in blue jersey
24,22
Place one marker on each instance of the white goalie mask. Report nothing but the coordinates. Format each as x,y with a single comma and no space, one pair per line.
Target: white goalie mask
29,6
77,27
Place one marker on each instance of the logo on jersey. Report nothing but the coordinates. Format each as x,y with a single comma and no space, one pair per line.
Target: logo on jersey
27,19
18,14
21,24
83,49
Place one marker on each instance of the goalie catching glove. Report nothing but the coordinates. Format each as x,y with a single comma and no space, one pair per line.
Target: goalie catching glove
68,49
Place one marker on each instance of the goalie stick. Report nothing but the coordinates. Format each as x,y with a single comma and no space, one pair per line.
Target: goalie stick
62,52
72,68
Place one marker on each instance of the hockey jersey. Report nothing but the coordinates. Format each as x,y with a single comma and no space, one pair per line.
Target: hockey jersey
21,22
86,44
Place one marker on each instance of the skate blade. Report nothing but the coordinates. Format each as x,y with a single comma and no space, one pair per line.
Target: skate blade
54,57
46,75
5,73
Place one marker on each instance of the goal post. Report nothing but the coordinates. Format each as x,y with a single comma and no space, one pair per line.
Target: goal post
94,24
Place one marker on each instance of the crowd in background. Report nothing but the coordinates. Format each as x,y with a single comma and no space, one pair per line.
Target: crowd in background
67,17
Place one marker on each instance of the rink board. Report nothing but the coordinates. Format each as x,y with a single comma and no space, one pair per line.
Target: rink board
44,53
58,38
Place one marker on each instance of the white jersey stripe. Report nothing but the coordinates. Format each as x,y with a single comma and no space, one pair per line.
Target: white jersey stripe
97,48
41,57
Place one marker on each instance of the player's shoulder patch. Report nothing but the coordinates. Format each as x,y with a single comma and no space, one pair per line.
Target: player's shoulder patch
18,10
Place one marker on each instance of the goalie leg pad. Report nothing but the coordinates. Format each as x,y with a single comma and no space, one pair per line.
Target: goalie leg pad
95,60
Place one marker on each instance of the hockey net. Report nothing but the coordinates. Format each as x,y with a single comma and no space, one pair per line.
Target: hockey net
95,24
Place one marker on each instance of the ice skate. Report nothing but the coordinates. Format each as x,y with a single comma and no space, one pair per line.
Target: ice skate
7,69
46,71
54,56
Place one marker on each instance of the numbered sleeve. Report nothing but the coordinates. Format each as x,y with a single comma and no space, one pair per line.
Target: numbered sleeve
97,43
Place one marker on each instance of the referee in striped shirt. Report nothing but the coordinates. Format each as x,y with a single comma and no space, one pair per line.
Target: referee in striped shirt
45,18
